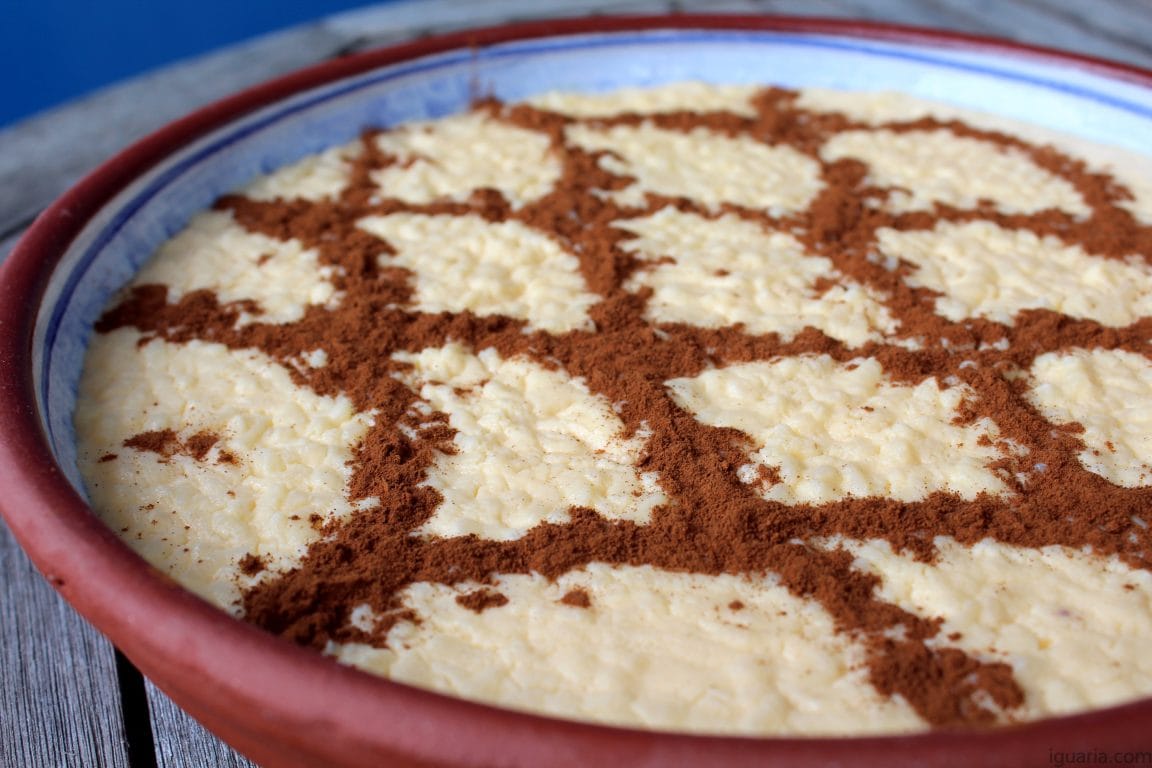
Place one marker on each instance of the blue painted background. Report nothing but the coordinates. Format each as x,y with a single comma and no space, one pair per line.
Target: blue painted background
56,50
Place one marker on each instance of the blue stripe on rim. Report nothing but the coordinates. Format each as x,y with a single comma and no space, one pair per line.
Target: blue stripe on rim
521,48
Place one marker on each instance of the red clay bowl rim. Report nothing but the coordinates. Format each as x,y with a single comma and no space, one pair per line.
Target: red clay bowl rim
264,683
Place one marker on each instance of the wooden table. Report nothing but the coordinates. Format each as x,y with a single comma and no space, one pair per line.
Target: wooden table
67,697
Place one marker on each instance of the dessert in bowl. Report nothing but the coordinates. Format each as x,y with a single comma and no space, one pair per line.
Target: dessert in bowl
780,417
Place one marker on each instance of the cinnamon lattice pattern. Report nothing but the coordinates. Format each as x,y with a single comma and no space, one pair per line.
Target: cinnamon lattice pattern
853,275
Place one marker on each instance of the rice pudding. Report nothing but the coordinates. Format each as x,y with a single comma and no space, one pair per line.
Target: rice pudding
716,409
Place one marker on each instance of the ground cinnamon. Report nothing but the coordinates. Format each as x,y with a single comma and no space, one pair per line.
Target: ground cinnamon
481,600
168,443
627,359
577,598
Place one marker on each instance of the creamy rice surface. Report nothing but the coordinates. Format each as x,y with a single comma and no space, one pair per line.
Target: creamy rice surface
719,409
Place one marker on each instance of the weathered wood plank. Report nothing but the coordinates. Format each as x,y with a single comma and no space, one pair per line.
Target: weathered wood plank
382,25
1084,27
182,742
1108,26
824,8
59,698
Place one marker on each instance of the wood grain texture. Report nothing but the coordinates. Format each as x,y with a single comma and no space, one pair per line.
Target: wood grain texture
59,698
181,741
60,703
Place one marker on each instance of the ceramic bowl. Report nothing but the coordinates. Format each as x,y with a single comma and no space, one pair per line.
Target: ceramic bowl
284,706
